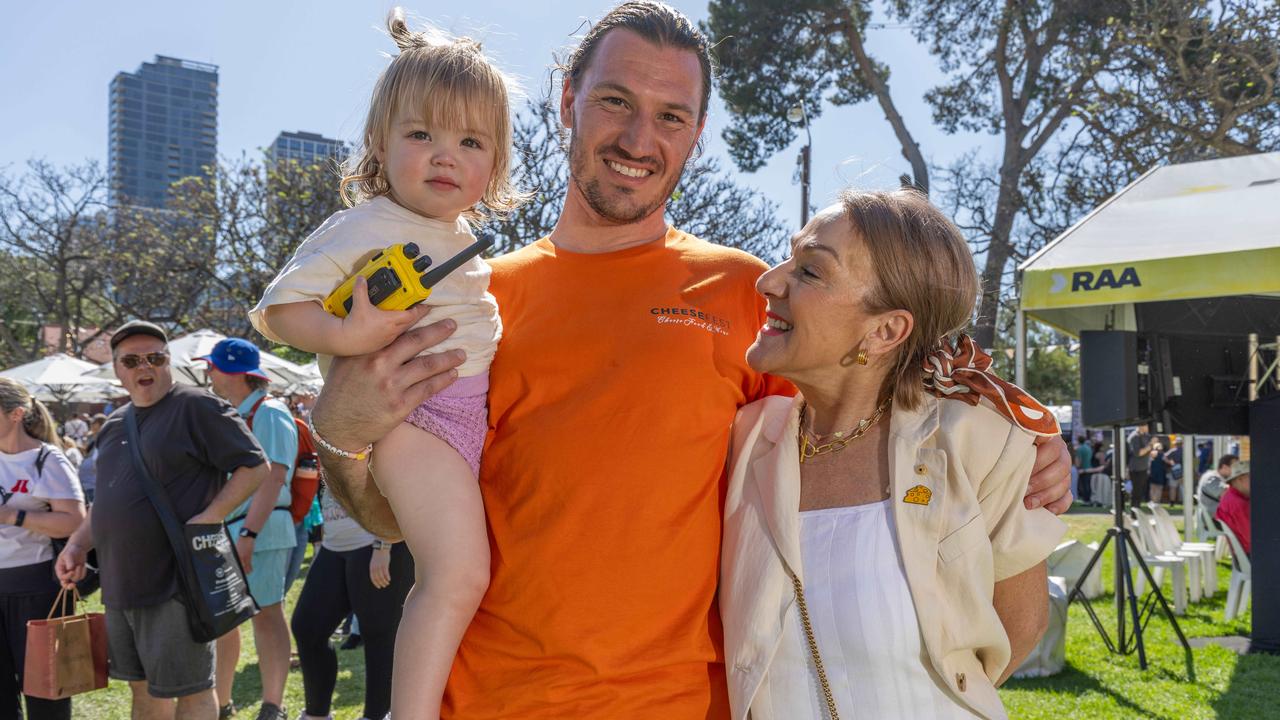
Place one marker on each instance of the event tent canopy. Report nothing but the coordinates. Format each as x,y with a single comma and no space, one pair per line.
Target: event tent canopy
61,378
1207,229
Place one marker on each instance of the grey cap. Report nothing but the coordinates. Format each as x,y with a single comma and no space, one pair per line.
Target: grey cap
137,327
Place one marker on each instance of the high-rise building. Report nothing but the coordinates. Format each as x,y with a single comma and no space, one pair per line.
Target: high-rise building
307,148
163,127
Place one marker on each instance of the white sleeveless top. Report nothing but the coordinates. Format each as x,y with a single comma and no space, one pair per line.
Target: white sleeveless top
865,625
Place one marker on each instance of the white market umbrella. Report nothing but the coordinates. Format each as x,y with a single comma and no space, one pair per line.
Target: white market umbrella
61,378
314,381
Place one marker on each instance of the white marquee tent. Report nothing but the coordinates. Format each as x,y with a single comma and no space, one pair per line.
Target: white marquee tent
1203,237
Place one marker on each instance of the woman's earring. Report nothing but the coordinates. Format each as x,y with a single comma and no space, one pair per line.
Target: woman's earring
850,359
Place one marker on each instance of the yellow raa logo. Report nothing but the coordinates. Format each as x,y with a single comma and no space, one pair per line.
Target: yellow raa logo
918,495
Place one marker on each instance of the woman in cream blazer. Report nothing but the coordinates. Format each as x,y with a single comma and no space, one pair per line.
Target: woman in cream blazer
906,532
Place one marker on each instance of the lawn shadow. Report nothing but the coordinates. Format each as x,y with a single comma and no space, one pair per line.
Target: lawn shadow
247,690
1251,691
1075,682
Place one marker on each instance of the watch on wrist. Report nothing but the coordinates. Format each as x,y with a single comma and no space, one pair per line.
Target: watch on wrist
247,533
20,518
381,545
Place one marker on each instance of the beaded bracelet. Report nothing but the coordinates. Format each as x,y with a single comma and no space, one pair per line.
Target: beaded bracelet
360,455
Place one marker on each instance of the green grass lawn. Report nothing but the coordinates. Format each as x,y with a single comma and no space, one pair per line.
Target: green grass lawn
348,699
1095,685
1098,685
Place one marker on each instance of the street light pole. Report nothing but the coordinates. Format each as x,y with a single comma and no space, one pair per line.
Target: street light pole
800,114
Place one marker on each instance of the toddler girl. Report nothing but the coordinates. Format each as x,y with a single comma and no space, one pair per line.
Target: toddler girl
437,143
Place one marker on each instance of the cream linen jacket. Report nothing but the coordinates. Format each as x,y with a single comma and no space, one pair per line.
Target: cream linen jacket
959,473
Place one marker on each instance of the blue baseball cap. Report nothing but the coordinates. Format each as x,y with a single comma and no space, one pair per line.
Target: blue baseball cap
236,356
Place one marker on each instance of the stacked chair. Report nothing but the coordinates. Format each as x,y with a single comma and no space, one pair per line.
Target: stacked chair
1159,561
1166,535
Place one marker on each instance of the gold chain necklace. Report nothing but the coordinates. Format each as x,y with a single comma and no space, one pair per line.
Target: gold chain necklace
810,449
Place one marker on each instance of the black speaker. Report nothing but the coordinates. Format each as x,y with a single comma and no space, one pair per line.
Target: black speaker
1114,385
1206,390
1264,448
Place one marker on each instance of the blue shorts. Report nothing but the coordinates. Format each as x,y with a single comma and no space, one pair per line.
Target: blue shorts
266,580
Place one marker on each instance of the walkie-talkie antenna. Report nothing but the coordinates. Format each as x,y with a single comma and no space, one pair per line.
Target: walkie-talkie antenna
438,273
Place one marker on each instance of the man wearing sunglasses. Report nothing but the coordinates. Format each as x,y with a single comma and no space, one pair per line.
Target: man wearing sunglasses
191,442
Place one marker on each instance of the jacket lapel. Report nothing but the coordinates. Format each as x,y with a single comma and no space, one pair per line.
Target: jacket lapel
776,474
918,514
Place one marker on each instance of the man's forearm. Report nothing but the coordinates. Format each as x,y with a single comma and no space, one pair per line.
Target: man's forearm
243,483
264,499
352,485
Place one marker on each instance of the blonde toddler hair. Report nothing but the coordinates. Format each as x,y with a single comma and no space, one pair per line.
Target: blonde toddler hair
452,84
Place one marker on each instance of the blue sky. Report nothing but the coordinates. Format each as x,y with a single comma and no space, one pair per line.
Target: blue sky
292,65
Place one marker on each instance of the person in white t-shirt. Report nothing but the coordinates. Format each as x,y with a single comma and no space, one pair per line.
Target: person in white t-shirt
40,499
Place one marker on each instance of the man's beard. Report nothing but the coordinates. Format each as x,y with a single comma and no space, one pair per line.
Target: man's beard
613,209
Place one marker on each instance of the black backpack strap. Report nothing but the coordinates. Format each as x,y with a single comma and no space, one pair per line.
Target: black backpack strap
41,457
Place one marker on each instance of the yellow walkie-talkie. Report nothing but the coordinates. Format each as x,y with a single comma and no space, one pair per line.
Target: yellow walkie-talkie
398,277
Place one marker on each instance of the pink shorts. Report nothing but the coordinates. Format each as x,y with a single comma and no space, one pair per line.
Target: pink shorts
458,415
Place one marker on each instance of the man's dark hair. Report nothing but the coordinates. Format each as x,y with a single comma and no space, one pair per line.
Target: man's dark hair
256,383
656,22
1227,460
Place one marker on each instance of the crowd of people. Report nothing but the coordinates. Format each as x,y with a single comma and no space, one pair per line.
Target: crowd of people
525,508
1155,471
195,440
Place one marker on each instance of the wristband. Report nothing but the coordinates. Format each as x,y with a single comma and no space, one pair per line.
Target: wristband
381,545
359,455
21,518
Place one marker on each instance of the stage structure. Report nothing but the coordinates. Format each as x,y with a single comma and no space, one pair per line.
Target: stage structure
1188,257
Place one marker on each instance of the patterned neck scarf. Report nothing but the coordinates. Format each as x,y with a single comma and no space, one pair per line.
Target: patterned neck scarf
963,372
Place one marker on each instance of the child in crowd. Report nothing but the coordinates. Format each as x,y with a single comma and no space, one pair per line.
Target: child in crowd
436,153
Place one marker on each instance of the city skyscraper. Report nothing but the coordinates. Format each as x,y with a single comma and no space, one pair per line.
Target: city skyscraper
307,148
163,127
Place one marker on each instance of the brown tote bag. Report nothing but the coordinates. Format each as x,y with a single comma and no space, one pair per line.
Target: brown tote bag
65,655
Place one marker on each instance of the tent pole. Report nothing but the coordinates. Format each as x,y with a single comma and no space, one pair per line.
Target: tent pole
1188,491
1254,362
1020,352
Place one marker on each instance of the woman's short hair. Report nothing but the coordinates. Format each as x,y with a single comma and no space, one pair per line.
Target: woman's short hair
921,264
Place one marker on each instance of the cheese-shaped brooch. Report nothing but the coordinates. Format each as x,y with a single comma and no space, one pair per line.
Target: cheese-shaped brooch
918,495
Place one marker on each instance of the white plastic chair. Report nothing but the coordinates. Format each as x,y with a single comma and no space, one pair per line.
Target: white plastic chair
1156,545
1208,531
1171,541
1240,587
1157,562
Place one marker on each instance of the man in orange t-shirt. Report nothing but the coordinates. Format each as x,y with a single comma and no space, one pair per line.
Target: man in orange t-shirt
611,398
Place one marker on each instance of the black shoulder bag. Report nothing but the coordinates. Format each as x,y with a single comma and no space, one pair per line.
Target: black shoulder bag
211,579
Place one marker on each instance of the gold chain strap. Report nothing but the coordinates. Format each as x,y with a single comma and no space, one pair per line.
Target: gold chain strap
813,647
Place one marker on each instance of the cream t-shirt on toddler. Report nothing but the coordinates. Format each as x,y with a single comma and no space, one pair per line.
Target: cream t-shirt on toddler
350,238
